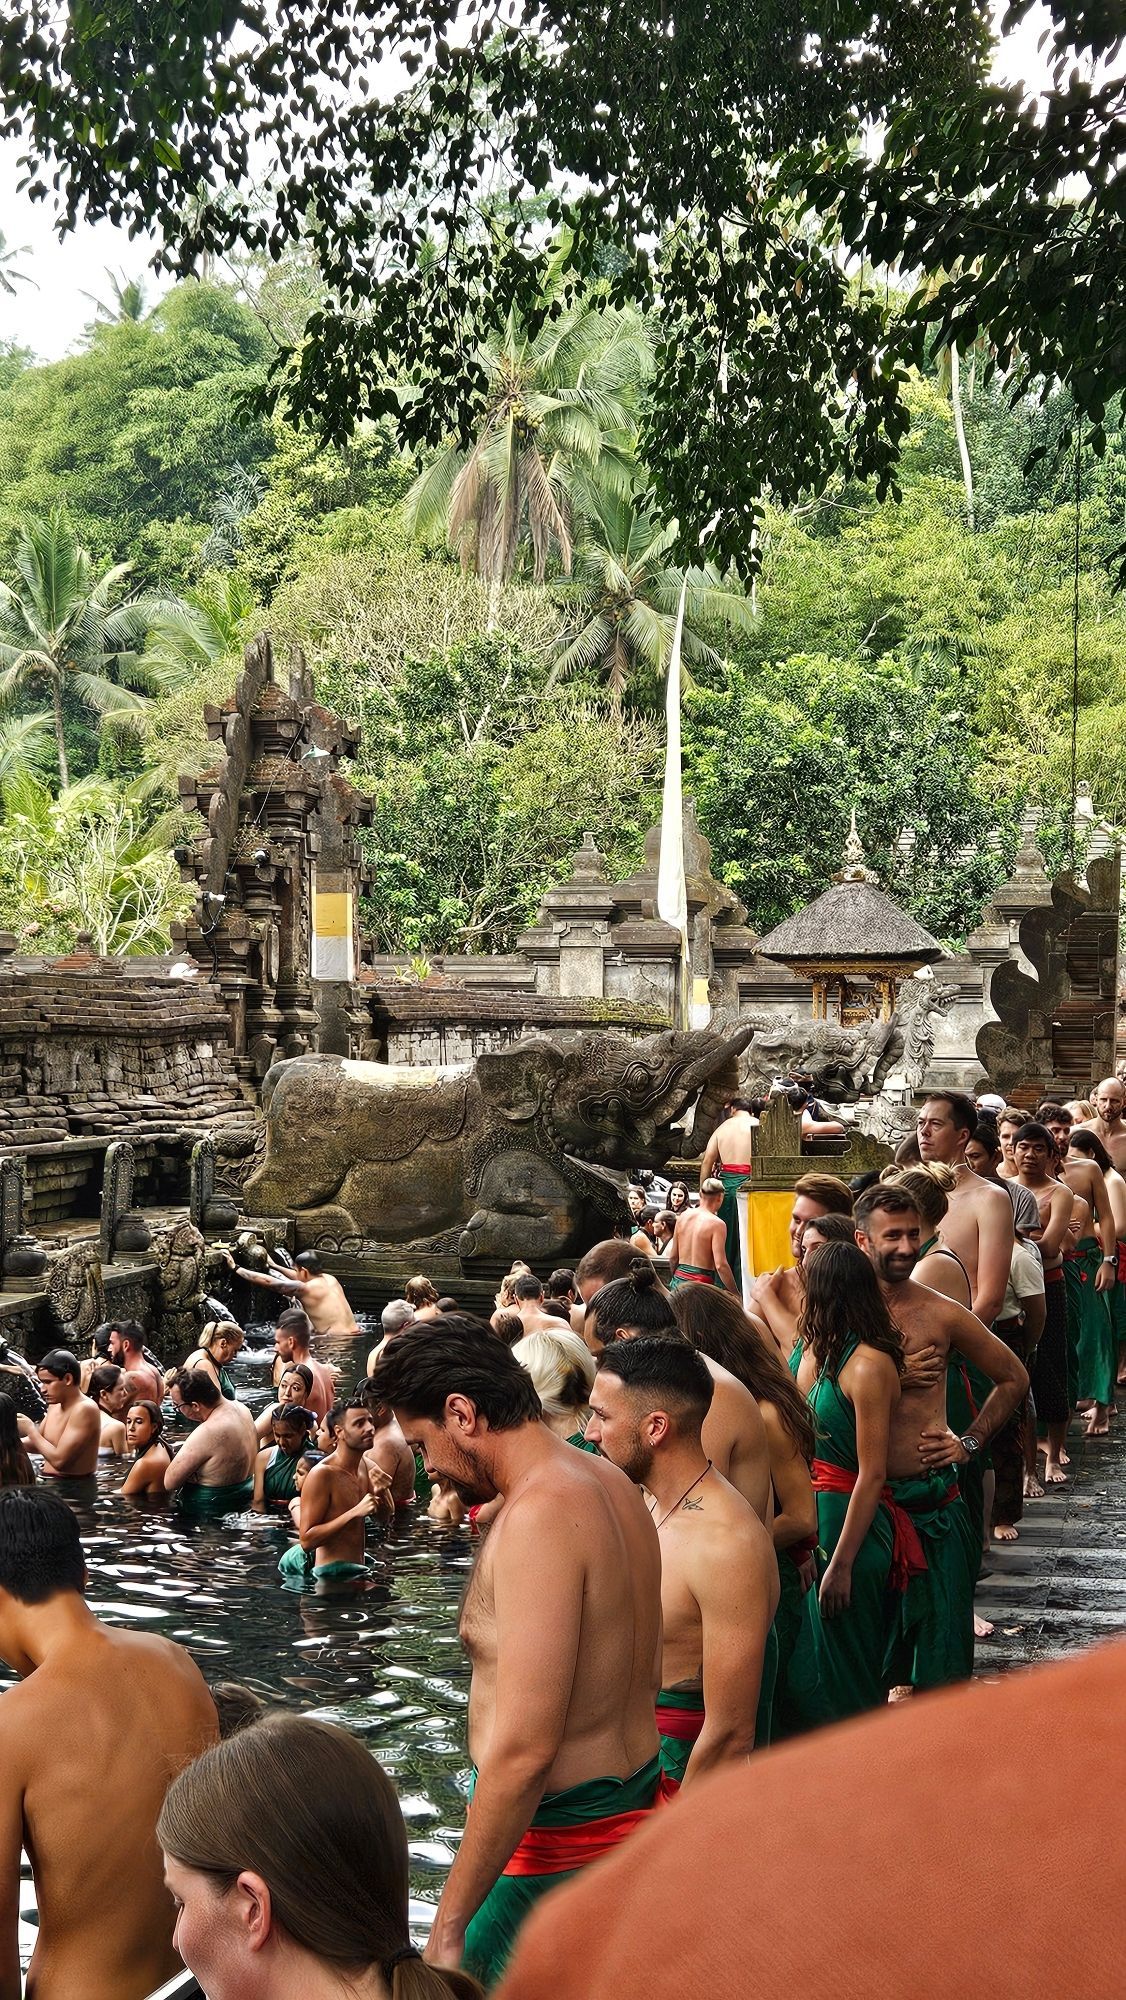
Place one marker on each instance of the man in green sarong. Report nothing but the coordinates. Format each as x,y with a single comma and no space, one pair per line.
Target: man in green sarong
719,1573
561,1621
213,1472
933,1644
698,1252
727,1158
339,1496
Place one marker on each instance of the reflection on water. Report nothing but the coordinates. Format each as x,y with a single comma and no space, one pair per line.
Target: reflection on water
379,1655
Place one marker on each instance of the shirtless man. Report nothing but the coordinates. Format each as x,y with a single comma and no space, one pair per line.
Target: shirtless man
1086,1179
82,1777
719,1572
978,1225
213,1471
734,1435
727,1159
528,1302
292,1342
777,1295
697,1254
1109,1100
390,1453
1034,1154
71,1430
341,1492
562,1624
127,1348
922,1449
321,1295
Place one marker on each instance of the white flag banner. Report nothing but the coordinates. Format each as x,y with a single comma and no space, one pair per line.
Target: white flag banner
672,889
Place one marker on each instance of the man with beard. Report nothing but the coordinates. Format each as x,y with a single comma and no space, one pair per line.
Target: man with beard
719,1575
935,1643
1108,1123
338,1496
562,1624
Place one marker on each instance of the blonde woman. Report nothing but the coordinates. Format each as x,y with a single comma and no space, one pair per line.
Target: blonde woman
562,1368
218,1344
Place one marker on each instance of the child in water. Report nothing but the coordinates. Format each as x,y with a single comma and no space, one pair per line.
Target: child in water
303,1468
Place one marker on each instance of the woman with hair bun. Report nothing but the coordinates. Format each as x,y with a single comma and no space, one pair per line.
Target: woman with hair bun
286,1856
561,1366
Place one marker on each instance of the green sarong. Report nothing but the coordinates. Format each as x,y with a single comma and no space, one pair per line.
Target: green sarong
297,1565
492,1931
934,1642
580,1443
733,1179
797,1685
1097,1343
210,1503
849,1651
764,1714
1073,1292
280,1481
678,1737
1118,1295
693,1274
966,1391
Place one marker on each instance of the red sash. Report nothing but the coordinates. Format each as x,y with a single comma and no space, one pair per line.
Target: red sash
800,1552
684,1724
1054,1276
1121,1262
907,1558
690,1275
725,1169
555,1850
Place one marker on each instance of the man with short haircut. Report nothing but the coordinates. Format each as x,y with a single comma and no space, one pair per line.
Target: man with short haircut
727,1159
1009,1123
561,1287
697,1254
936,1644
1086,1179
1035,1155
778,1294
389,1454
293,1337
719,1573
528,1302
213,1472
978,1224
562,1623
68,1436
91,1735
338,1496
1110,1102
396,1314
310,1286
127,1349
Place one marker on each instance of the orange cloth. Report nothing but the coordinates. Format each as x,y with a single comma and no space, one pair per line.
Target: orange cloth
946,1846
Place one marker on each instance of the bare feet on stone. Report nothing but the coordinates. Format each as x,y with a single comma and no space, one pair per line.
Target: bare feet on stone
1004,1531
1054,1474
900,1694
982,1628
1032,1487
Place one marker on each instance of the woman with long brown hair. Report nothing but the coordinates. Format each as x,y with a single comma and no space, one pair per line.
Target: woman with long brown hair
286,1856
716,1323
849,1366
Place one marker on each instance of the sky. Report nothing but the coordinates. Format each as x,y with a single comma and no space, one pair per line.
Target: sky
50,317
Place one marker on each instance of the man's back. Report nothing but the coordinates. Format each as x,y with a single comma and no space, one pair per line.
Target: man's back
597,1547
92,1738
697,1234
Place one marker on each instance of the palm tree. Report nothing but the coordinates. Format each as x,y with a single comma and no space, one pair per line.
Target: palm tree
620,608
97,857
9,276
25,745
194,631
558,400
64,628
128,300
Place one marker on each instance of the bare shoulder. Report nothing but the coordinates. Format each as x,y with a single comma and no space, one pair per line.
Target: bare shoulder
868,1368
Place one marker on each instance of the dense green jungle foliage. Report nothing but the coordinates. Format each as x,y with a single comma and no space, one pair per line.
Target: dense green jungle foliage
498,622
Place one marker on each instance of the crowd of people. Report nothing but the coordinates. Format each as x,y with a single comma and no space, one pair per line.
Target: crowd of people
704,1527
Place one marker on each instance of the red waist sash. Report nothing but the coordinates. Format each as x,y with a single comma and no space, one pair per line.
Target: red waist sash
693,1275
555,1850
907,1558
1121,1262
683,1723
1054,1276
725,1169
800,1552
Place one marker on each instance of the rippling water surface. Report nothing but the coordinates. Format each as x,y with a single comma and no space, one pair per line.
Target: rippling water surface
380,1656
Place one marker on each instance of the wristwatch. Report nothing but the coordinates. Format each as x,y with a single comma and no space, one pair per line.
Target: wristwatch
970,1444
1110,1260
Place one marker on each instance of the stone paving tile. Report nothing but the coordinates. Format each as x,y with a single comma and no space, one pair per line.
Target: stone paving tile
1063,1584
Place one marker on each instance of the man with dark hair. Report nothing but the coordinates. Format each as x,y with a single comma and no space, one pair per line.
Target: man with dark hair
213,1471
734,1436
82,1776
321,1295
727,1158
1086,1179
293,1336
339,1494
562,1623
698,1253
978,1225
561,1286
719,1573
936,1642
69,1434
527,1295
127,1349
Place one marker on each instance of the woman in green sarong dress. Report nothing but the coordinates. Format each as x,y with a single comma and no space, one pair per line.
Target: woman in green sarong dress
850,1371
